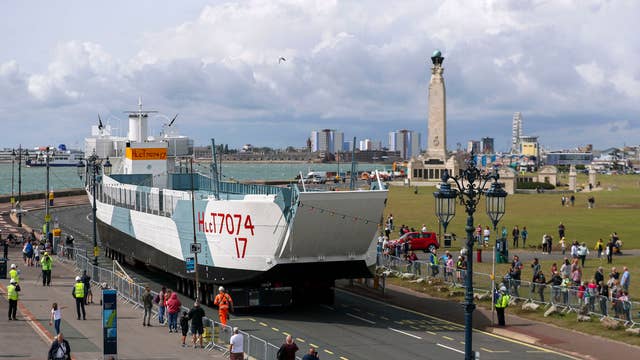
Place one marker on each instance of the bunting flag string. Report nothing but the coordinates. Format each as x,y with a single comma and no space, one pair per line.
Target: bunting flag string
313,209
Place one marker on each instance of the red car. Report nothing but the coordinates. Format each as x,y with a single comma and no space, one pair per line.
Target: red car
425,241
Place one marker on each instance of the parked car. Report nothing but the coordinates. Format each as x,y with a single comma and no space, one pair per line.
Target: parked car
425,241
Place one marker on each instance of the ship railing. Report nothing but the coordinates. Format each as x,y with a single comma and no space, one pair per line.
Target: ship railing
216,335
566,299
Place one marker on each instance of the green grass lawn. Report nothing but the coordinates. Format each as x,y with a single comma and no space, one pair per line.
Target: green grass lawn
617,208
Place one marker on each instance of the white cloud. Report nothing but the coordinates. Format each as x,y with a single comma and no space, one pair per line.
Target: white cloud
591,73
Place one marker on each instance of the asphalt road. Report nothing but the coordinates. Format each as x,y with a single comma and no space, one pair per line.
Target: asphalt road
354,328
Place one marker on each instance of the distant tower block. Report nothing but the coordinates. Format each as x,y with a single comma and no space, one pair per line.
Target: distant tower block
516,133
436,125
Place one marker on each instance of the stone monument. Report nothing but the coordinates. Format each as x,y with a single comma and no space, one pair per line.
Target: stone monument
572,178
430,165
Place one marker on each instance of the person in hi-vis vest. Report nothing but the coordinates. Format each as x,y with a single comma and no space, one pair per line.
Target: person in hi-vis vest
78,294
224,303
501,303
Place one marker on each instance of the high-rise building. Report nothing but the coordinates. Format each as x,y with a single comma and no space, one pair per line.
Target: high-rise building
486,145
327,140
407,142
529,146
516,132
366,145
473,146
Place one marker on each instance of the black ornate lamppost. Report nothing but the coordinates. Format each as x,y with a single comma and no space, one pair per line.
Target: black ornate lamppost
96,165
471,184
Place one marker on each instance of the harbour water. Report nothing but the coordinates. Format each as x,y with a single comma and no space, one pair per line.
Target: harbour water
34,179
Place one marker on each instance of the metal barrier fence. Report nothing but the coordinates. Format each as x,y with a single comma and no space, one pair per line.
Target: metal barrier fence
566,298
216,335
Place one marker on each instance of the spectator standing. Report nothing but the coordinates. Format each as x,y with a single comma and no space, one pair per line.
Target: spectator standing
590,202
86,280
625,279
515,275
195,315
516,236
563,246
574,249
13,296
583,251
554,268
173,308
615,274
433,261
524,234
563,200
60,349
599,247
535,268
603,291
572,199
390,222
5,248
56,317
592,292
478,233
556,283
561,230
162,305
450,266
311,355
461,268
236,350
184,327
37,250
78,294
545,238
147,303
486,235
288,350
549,244
599,275
414,265
47,265
540,281
609,251
424,228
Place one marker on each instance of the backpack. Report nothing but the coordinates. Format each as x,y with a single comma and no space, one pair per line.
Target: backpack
156,299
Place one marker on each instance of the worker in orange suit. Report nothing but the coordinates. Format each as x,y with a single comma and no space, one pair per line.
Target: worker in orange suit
224,303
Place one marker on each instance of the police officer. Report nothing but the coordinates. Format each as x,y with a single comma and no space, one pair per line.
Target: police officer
14,274
12,296
223,301
78,294
47,264
501,303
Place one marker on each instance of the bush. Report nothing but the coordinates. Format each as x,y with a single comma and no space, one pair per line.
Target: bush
535,185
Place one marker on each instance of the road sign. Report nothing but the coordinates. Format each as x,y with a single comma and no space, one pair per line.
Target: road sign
196,248
96,251
191,264
109,322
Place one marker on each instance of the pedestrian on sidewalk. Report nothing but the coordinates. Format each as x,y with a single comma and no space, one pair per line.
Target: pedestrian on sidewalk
37,250
60,349
88,295
524,234
501,305
5,248
56,317
12,296
147,302
184,327
78,294
236,350
14,273
173,308
287,350
159,299
195,315
47,265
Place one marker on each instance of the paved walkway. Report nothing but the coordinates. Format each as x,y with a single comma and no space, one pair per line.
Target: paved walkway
17,339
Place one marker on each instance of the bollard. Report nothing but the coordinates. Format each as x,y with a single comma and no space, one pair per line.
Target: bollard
479,255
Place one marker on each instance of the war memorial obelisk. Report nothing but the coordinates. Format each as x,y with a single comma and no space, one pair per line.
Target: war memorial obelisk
430,165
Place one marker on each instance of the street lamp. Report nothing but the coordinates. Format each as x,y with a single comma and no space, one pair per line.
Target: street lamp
13,161
470,185
19,204
94,164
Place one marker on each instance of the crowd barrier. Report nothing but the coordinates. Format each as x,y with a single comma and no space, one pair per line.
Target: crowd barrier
566,298
216,335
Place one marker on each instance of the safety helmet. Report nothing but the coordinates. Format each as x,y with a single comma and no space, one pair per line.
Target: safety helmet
13,281
221,288
46,253
502,288
13,266
78,278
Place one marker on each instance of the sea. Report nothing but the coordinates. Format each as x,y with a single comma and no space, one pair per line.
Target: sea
60,178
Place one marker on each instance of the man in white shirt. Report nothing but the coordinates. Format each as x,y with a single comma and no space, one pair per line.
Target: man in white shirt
424,228
236,349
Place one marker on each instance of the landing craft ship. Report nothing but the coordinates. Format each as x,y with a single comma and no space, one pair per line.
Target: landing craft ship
268,245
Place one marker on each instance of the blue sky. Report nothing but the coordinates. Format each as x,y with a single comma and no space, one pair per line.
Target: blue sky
361,67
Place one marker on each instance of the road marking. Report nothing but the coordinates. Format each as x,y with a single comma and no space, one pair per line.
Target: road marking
286,333
384,318
461,342
275,329
250,319
301,340
460,327
431,332
263,324
328,307
359,318
450,348
448,338
414,327
314,345
494,351
343,358
405,333
536,351
371,314
356,309
328,351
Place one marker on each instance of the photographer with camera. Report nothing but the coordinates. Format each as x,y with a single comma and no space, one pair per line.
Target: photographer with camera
311,355
47,264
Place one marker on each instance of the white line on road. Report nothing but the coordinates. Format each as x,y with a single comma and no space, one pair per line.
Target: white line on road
359,318
450,348
405,333
327,307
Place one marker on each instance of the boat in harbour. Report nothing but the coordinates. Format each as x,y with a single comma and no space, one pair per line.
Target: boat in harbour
269,245
60,156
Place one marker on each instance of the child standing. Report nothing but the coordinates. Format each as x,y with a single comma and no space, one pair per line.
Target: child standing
184,326
56,317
